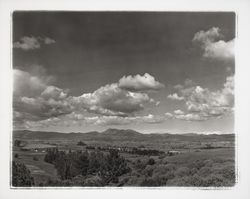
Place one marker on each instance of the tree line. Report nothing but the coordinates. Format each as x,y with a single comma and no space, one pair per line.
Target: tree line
108,167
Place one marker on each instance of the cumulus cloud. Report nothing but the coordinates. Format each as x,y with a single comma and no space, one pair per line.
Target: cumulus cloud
213,46
202,104
52,92
26,84
48,40
139,83
31,43
175,97
36,100
112,100
178,112
39,108
169,115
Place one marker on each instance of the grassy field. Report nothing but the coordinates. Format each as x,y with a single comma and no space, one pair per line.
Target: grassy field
34,161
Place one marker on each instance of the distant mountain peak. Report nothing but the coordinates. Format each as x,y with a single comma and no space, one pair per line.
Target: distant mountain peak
121,132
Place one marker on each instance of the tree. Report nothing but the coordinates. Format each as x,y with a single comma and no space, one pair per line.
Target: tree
113,167
151,161
17,143
21,176
81,143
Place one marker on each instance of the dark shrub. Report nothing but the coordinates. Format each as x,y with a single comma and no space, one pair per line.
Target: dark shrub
148,171
149,182
81,143
35,158
93,181
151,161
17,143
21,176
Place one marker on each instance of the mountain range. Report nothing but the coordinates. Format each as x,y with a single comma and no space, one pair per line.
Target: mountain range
116,134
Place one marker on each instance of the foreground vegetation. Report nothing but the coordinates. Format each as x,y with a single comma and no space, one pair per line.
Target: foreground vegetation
100,160
96,168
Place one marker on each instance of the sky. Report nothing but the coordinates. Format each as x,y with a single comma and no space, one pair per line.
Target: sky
154,72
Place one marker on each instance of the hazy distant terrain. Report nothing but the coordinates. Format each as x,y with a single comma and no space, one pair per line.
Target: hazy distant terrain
148,159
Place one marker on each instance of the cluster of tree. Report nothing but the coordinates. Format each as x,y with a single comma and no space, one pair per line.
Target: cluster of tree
203,173
133,150
107,167
17,143
81,143
149,152
21,176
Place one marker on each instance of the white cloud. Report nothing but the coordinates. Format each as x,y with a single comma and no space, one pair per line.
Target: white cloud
36,100
175,97
31,43
54,93
26,84
190,117
169,115
112,100
207,36
48,40
178,112
220,50
212,45
139,83
27,43
202,103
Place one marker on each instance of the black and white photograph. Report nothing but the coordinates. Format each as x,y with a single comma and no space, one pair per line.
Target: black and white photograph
123,99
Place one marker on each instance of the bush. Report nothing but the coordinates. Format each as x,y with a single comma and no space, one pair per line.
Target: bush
182,171
17,143
204,171
140,165
228,172
81,143
93,181
16,155
148,171
149,182
213,180
208,163
21,176
196,164
151,161
35,158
